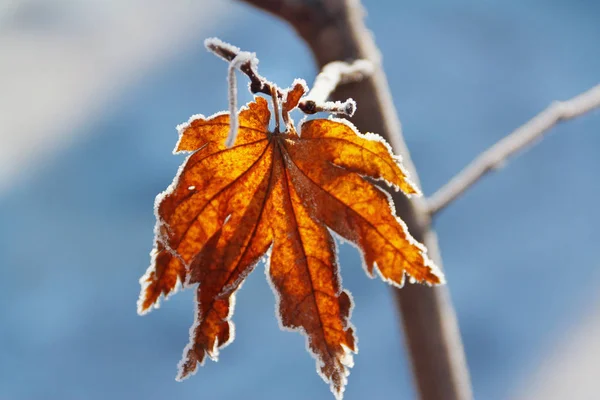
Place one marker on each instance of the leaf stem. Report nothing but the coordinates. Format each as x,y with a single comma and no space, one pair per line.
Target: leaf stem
275,98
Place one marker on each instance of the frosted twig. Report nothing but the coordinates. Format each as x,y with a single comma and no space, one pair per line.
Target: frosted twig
241,58
245,62
331,76
495,156
232,97
228,52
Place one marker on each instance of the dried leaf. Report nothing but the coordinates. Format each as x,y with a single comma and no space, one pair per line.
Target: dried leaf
228,206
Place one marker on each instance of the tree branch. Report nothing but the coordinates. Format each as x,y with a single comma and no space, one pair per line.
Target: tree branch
498,154
334,30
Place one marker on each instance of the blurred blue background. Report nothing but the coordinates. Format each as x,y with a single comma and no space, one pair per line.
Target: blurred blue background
90,94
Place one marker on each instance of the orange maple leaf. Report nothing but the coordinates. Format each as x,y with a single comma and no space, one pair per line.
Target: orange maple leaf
280,191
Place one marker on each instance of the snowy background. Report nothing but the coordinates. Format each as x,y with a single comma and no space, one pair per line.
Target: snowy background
90,94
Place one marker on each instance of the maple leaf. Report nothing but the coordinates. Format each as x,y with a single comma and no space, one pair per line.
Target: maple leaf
279,191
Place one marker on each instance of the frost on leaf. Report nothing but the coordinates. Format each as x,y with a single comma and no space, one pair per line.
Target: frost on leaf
228,206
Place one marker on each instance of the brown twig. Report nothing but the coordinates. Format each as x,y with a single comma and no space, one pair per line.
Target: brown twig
518,140
275,98
334,30
332,75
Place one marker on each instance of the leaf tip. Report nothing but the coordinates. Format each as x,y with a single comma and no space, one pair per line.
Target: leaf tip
146,304
148,296
182,146
409,188
302,83
188,365
436,276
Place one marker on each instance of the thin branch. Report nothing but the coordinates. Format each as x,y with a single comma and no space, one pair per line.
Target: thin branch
331,76
498,154
336,73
